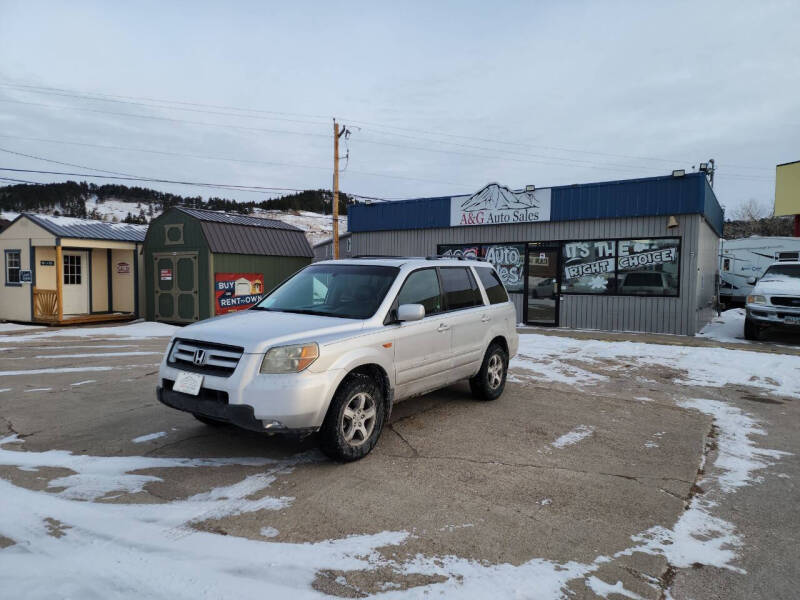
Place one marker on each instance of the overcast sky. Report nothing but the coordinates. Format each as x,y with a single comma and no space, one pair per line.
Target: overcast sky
441,97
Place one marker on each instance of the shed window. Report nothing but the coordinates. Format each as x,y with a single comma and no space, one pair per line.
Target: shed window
13,265
72,269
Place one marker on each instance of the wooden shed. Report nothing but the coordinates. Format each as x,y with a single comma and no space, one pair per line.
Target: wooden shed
202,263
63,270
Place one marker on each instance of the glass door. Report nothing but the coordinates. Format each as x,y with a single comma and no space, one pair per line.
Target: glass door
542,285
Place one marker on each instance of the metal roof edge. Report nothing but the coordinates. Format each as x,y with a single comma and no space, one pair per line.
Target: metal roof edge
329,240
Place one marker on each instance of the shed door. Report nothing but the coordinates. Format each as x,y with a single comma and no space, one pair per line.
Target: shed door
76,283
176,294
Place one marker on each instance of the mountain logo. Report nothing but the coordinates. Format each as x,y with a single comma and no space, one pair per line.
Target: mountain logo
495,204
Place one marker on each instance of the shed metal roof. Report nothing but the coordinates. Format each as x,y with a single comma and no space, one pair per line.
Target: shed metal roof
71,227
213,216
229,238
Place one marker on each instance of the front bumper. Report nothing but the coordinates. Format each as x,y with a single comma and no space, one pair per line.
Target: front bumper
294,402
765,314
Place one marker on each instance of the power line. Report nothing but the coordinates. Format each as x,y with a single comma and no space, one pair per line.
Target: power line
169,119
65,94
145,98
243,188
227,159
377,126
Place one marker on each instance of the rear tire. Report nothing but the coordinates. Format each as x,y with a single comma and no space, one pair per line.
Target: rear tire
490,381
752,330
355,419
208,420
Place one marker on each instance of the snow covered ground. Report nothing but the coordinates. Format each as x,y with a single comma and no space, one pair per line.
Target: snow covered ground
136,330
87,533
727,327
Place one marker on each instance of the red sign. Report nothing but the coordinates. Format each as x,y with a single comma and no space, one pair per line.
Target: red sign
123,267
166,274
237,291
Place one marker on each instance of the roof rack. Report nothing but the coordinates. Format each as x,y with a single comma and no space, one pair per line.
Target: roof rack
378,256
454,257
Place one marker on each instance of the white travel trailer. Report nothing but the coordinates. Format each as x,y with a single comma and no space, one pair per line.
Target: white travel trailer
744,260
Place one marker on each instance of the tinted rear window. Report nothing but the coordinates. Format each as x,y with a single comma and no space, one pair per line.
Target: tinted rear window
492,284
460,290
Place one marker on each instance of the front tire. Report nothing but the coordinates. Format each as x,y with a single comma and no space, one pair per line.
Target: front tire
355,419
752,330
490,381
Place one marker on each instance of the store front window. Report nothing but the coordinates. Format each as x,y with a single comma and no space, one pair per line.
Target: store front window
508,260
648,267
589,267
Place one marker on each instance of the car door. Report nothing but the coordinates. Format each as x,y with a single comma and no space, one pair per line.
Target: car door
421,348
467,317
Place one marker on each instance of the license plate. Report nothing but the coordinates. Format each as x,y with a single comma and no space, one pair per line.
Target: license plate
188,383
791,320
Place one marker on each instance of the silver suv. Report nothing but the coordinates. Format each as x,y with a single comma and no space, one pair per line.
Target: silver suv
332,347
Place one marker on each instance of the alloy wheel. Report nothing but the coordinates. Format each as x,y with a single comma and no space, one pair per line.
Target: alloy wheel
358,419
494,371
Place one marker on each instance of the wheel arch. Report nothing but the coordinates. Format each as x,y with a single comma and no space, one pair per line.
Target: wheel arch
501,341
376,372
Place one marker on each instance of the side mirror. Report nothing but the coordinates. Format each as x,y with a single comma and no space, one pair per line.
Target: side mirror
751,280
410,312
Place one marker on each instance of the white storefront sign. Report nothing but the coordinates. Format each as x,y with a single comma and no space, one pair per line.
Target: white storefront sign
497,205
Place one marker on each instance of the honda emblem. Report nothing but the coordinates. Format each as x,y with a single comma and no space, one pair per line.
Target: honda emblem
199,357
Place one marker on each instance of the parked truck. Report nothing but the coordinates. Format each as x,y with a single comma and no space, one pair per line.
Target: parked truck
743,261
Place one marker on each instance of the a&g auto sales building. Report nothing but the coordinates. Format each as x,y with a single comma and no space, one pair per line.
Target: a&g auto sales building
632,255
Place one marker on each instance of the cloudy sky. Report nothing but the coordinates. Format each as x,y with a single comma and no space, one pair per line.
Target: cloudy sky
440,97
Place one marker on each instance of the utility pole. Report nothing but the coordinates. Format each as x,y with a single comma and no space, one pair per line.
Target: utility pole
335,206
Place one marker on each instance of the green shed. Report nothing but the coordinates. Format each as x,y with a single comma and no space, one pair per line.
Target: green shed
203,263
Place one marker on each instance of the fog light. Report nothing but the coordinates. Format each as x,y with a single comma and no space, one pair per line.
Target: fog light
272,424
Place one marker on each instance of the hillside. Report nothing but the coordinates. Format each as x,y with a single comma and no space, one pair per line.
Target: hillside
119,203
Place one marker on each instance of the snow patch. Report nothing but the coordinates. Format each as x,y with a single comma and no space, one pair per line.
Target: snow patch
150,436
573,437
740,458
603,589
727,327
709,367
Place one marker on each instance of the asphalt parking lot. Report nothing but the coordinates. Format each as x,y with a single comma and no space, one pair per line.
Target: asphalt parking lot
548,489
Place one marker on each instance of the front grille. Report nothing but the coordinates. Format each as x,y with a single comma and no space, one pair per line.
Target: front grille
205,393
786,301
218,360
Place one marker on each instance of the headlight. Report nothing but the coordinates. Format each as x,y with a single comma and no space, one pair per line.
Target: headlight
757,299
290,359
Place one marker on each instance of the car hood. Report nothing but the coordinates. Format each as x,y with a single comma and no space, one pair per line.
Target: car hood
786,286
258,330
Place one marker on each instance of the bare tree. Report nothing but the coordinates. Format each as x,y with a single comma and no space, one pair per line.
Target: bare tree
751,210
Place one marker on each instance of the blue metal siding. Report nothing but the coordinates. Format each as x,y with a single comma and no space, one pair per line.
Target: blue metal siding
420,213
632,198
712,211
651,196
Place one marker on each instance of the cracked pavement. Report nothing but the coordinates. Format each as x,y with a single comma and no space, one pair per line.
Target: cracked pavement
479,480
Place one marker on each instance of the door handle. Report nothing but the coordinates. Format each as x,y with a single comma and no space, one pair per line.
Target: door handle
443,327
485,319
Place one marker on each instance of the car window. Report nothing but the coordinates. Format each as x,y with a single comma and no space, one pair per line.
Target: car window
333,290
422,287
492,284
460,289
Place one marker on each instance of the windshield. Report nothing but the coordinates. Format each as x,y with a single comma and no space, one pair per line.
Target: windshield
782,272
348,291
